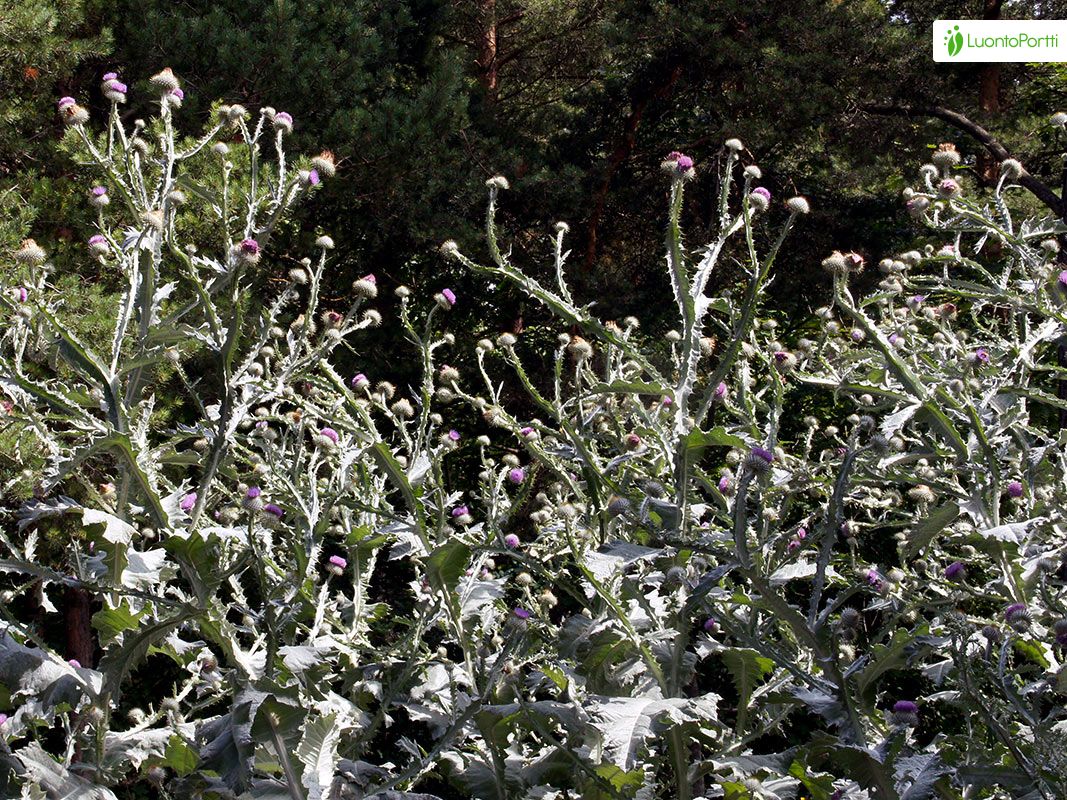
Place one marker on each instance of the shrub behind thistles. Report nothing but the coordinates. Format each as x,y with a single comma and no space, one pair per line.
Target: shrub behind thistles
653,569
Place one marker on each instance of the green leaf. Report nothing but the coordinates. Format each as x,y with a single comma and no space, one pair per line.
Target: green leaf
748,669
923,533
446,564
179,756
110,622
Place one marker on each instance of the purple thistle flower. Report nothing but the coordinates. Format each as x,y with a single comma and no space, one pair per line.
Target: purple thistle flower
711,625
459,511
313,177
905,707
188,502
359,379
1015,490
948,187
109,76
249,247
330,434
284,117
65,102
802,533
521,613
762,192
526,431
449,295
720,391
516,475
337,564
178,93
1062,278
873,578
75,663
276,510
955,571
511,541
453,435
253,492
894,338
97,238
117,86
794,545
1015,612
764,453
99,191
23,294
724,483
683,163
667,400
981,355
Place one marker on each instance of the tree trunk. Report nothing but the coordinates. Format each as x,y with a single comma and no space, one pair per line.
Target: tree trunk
641,98
78,616
989,98
487,50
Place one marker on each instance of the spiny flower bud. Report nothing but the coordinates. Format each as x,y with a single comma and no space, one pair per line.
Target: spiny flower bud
366,287
498,182
165,81
30,252
798,205
946,155
580,349
1011,169
325,164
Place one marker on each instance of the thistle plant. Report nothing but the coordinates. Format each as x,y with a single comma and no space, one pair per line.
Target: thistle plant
658,583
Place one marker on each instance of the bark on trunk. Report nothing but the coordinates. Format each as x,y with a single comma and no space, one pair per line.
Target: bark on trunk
487,52
989,98
641,98
78,615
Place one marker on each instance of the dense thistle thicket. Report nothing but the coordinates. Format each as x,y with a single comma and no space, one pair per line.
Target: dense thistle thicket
665,585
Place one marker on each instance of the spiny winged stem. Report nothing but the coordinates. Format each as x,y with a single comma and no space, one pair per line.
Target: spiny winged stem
742,328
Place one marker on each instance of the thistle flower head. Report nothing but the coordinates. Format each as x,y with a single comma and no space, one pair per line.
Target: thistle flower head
759,460
511,541
325,164
248,251
955,571
798,205
1059,119
1015,490
521,613
359,380
329,433
30,252
516,475
946,155
760,198
366,287
446,298
905,713
679,165
283,121
188,502
175,98
335,565
1011,169
498,182
65,102
734,144
948,188
710,625
165,81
